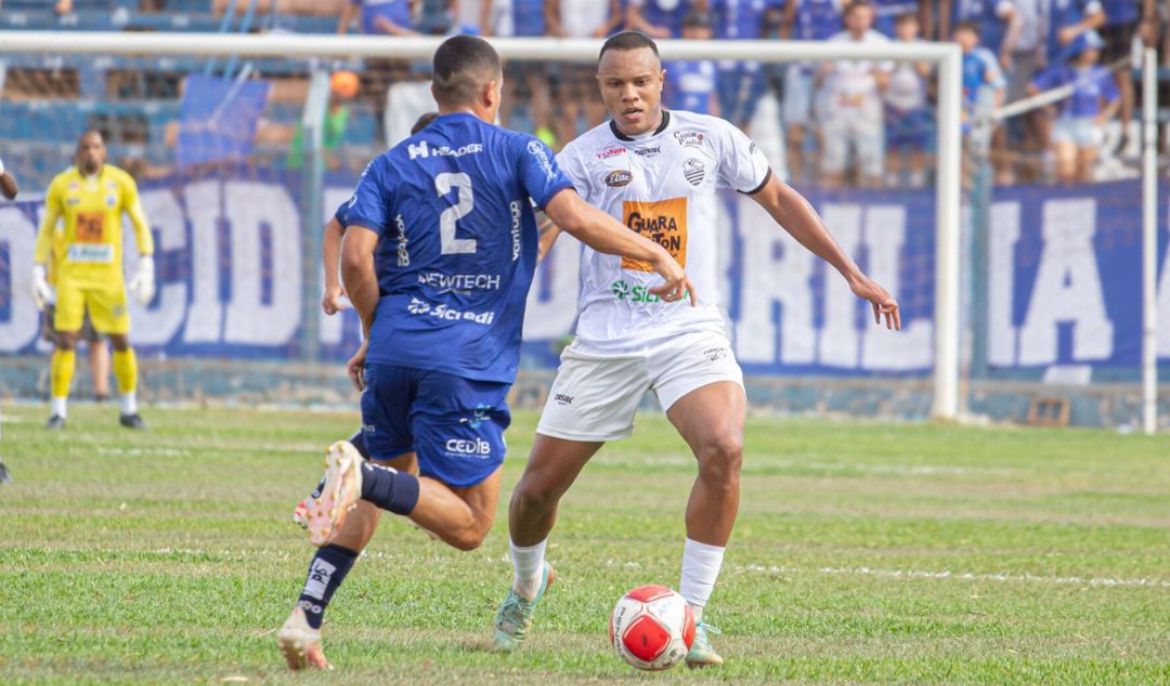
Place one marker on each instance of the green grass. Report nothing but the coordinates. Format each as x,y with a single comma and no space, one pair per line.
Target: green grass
864,553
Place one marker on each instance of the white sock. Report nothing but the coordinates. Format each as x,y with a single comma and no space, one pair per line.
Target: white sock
527,568
57,406
700,567
130,403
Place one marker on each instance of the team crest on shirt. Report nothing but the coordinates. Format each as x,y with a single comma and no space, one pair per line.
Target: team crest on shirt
689,139
111,201
618,178
694,170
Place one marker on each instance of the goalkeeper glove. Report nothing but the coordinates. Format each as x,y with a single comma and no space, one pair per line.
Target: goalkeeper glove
143,281
42,292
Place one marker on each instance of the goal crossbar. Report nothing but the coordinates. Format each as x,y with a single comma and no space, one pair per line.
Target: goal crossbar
946,58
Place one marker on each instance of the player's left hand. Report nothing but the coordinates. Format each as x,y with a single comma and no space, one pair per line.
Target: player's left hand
143,281
356,367
883,303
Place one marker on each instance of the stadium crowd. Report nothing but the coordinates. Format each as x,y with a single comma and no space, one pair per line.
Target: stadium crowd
854,123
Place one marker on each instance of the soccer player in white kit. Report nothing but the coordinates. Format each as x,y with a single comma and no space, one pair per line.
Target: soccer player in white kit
658,171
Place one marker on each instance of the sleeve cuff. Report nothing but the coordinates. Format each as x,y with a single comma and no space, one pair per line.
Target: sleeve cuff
757,189
542,202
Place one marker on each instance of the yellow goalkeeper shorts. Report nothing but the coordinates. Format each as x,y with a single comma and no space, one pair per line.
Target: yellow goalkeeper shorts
106,305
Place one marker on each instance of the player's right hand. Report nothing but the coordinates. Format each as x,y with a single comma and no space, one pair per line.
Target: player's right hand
356,367
42,292
678,285
332,303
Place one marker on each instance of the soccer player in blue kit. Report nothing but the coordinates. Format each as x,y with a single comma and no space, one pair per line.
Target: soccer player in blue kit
438,258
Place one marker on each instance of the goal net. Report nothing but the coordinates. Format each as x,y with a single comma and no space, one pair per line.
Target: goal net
243,146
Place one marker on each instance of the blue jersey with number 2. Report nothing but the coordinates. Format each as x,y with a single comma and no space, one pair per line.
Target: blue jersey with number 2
457,245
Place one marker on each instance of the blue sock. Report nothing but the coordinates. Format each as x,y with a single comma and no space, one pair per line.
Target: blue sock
326,572
389,489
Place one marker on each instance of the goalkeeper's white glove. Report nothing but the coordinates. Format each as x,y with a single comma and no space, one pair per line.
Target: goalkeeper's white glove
42,292
143,281
1,165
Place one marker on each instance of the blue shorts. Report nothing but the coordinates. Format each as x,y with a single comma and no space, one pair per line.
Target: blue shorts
909,130
454,425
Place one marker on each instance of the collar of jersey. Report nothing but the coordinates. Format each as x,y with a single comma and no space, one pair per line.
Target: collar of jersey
623,137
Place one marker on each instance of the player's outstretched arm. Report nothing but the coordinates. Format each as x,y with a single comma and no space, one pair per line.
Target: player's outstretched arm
605,234
331,256
797,217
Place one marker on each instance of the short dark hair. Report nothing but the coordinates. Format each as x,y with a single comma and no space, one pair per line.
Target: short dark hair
629,40
969,25
462,65
858,4
423,122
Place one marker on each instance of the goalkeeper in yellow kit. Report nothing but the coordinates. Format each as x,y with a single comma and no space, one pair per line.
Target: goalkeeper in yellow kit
91,198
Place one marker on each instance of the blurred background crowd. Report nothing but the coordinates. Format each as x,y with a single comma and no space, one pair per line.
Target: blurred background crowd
854,123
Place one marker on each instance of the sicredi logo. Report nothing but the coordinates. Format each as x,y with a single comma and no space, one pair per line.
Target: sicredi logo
463,446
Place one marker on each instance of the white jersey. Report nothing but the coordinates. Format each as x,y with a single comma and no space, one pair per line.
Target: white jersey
662,185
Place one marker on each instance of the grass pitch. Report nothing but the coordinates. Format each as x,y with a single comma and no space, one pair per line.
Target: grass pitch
864,553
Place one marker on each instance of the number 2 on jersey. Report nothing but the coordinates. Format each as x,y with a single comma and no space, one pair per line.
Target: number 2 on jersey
444,183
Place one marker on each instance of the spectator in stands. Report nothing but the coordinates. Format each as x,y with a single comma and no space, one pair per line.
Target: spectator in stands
659,18
343,88
886,13
392,17
1022,54
1123,19
804,20
577,89
999,28
528,80
1081,118
690,84
1068,19
741,83
908,117
483,14
853,116
983,80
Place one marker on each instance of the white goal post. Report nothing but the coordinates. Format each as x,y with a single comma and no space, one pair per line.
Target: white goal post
945,57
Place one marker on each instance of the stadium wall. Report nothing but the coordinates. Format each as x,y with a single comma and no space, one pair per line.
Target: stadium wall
1062,291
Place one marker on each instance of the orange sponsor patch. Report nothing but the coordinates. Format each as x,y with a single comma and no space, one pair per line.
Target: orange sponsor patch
91,227
662,221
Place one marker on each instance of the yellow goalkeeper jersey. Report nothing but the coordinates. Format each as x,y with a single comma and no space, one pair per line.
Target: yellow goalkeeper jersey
87,251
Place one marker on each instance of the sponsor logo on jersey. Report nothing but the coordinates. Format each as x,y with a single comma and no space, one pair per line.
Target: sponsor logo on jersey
463,283
101,253
476,447
537,150
648,152
610,152
425,151
618,178
562,399
442,311
689,139
753,148
662,221
694,170
403,251
637,293
514,209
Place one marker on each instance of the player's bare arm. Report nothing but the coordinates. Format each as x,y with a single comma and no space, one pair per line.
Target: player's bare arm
357,274
793,212
330,254
605,234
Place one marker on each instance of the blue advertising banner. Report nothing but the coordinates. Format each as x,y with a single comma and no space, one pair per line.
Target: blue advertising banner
1062,286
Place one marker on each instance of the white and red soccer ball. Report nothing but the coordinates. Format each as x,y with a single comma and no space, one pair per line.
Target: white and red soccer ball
652,627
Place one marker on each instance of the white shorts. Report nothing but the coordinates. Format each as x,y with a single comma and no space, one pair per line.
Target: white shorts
865,132
595,397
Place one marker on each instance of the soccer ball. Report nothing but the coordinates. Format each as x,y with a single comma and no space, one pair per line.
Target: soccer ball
652,627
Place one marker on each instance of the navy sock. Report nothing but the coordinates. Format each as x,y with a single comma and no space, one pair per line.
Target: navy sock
390,490
326,572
